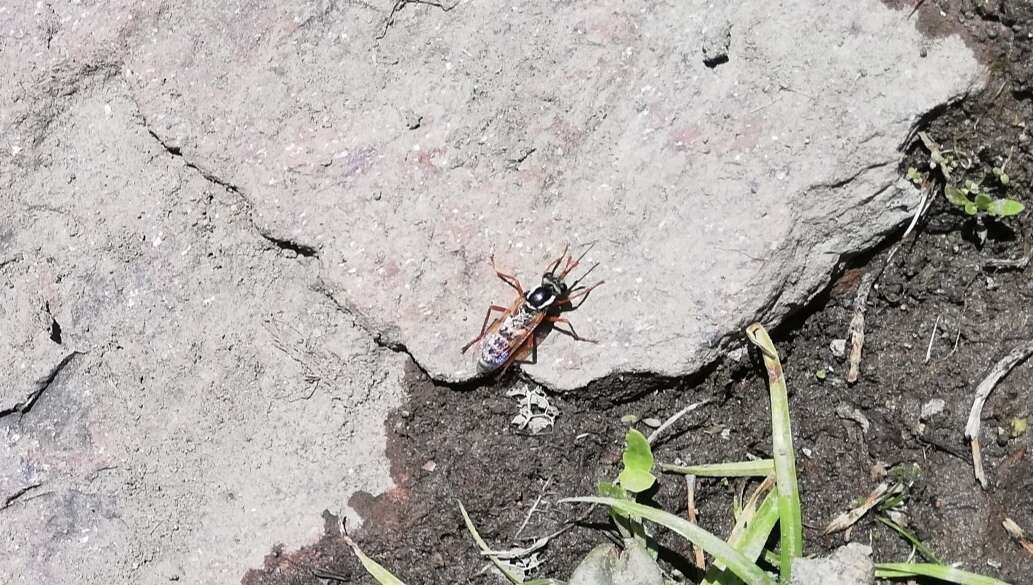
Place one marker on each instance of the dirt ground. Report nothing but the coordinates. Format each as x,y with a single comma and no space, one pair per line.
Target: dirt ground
936,298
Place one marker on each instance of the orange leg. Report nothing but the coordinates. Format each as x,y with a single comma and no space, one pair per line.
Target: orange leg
572,263
556,263
485,326
507,278
571,332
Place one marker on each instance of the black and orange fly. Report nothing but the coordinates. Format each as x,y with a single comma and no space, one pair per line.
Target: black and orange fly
516,332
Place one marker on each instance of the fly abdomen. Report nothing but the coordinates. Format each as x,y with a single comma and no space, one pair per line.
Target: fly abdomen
498,347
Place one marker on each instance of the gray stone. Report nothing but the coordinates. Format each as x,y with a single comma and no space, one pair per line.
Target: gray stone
838,347
606,565
204,402
715,197
932,408
849,565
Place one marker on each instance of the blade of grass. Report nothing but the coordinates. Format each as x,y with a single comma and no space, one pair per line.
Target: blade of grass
749,511
748,538
941,572
502,567
911,538
375,570
736,562
850,517
790,518
757,468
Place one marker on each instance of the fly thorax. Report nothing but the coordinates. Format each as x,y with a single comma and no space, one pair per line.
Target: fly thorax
540,298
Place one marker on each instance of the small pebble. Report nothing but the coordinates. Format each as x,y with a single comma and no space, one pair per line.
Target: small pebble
932,408
838,347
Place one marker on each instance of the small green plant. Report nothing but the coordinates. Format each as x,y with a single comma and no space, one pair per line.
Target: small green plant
974,198
979,192
637,475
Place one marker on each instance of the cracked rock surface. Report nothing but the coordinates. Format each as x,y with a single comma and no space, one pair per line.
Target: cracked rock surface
404,151
175,397
243,216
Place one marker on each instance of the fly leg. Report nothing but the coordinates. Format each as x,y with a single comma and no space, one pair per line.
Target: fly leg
569,332
485,326
567,304
556,263
507,278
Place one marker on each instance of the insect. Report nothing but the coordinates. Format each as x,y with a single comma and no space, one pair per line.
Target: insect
516,333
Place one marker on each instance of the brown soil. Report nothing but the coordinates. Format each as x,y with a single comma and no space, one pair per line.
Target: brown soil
457,444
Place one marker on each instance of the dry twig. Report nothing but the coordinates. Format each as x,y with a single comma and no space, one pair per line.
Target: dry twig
667,423
1018,534
692,514
856,329
999,371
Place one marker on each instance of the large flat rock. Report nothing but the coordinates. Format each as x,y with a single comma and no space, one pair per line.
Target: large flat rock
200,402
403,149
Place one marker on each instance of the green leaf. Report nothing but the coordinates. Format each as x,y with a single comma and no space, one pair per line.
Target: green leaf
736,562
611,490
1005,208
756,468
790,517
941,572
911,537
629,525
971,209
749,535
913,175
375,570
956,196
637,474
983,201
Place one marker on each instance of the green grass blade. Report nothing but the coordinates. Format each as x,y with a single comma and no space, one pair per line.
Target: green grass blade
375,569
508,574
748,540
911,538
771,557
736,562
941,572
790,518
758,468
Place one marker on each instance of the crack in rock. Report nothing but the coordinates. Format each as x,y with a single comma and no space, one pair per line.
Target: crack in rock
13,498
378,338
41,385
400,4
299,248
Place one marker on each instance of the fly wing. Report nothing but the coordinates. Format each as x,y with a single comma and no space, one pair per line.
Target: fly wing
505,316
508,338
520,346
